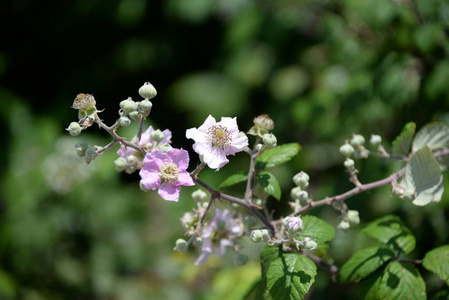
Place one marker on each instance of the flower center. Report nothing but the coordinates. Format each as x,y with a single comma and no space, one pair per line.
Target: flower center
219,136
169,172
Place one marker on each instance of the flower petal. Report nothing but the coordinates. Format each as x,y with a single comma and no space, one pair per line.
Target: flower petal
169,191
185,179
215,158
180,157
196,135
150,180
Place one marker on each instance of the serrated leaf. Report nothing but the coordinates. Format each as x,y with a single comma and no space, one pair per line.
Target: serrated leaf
423,180
317,229
401,145
394,281
277,155
437,261
434,135
287,275
390,231
364,262
269,184
234,179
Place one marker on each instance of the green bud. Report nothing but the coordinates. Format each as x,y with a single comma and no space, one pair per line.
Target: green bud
269,140
353,217
258,147
298,194
164,147
81,148
375,140
343,225
301,179
357,140
181,246
249,221
147,91
120,164
349,163
199,195
128,106
134,115
142,187
256,236
74,129
157,135
90,154
124,121
145,105
346,150
310,245
240,259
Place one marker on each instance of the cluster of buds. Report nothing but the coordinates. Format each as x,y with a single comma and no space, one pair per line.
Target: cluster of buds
137,110
262,127
299,194
83,149
351,219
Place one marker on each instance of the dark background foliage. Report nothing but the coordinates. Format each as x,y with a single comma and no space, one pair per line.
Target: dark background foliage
322,70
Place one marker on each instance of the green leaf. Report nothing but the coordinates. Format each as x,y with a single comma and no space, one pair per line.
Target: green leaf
257,292
394,281
423,180
401,145
277,155
286,275
437,261
270,184
391,231
234,179
364,262
434,135
317,229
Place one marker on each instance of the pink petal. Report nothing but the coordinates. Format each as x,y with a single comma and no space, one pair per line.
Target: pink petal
150,180
185,179
169,191
180,157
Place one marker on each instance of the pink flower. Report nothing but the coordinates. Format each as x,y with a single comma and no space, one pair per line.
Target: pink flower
218,235
215,140
166,171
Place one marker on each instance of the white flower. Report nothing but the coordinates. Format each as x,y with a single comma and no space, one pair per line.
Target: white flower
215,140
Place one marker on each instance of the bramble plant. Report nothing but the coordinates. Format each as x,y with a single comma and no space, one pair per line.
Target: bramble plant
297,243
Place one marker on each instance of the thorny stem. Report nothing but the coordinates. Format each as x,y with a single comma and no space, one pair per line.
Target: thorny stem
254,154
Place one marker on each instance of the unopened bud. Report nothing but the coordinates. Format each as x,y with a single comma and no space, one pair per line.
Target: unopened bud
346,150
157,135
120,164
298,194
256,236
128,106
142,187
310,245
353,217
199,195
375,140
90,154
344,225
74,129
181,246
302,180
145,105
147,91
81,148
294,225
134,115
124,121
357,140
249,221
240,259
269,140
349,163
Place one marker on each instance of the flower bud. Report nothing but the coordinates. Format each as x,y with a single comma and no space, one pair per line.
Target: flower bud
269,140
298,194
74,129
240,259
349,163
142,187
128,106
81,148
310,245
188,220
343,225
124,121
164,147
181,246
294,225
258,147
361,152
90,154
145,105
375,140
264,122
357,140
199,195
346,150
256,236
147,91
157,135
353,217
120,164
83,101
301,179
134,115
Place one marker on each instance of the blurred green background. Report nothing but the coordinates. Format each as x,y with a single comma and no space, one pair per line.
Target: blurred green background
322,70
